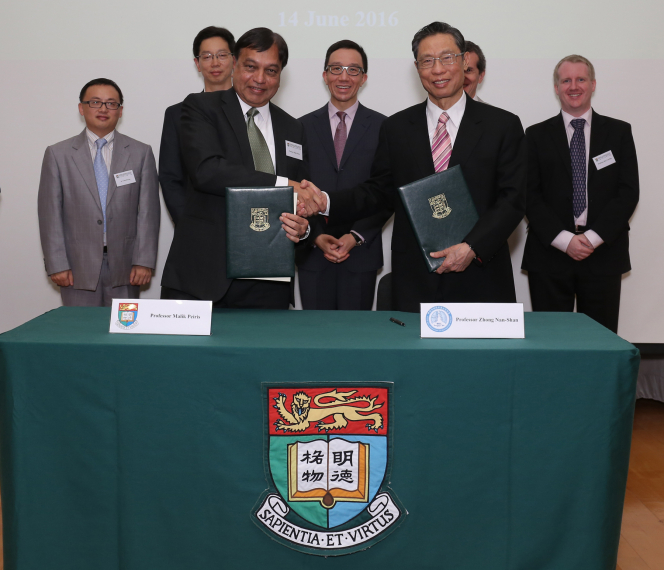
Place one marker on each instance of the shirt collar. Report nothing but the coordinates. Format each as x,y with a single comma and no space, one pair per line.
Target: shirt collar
92,138
567,118
455,112
264,111
350,112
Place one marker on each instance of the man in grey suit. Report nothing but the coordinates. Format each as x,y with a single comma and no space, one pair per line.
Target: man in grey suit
98,206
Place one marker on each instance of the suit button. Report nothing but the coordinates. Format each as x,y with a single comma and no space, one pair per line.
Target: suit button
99,222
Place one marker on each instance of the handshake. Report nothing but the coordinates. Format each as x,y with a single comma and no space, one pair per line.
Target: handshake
310,200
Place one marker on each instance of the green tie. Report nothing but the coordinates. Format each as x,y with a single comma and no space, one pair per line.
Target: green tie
262,158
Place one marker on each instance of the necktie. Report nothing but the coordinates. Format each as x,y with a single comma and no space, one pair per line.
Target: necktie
340,136
101,174
441,146
577,149
259,149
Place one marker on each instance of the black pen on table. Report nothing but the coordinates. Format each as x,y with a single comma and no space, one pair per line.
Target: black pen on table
397,321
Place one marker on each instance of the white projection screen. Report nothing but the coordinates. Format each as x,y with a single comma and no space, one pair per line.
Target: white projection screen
48,51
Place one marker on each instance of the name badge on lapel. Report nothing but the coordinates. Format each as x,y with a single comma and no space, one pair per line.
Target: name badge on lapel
605,159
294,150
124,178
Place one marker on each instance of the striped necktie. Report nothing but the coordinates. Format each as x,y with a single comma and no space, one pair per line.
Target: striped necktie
101,174
441,146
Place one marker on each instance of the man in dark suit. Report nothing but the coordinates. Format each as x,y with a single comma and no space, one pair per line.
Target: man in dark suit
340,273
583,186
475,71
234,138
213,56
449,128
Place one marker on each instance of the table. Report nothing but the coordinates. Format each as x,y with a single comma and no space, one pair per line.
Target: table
140,451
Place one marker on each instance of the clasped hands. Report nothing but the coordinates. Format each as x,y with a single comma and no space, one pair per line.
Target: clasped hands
336,250
579,247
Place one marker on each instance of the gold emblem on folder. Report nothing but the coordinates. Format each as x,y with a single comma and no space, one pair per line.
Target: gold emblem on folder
259,219
439,206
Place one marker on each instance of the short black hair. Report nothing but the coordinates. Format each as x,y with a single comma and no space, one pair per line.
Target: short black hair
101,81
472,47
347,44
262,39
213,32
435,28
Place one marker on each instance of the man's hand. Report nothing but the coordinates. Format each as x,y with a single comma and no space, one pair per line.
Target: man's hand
579,247
63,278
310,200
331,248
294,226
349,242
140,275
457,258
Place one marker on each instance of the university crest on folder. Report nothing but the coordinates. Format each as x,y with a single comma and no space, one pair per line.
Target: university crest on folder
328,451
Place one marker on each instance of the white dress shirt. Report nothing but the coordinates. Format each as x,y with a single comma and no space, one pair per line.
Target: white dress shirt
562,240
106,151
263,121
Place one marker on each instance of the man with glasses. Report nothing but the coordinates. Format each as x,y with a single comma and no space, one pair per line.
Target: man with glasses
475,71
98,206
583,187
342,136
213,56
235,138
447,129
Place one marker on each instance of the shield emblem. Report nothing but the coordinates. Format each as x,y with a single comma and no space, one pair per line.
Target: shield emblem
127,313
439,206
260,219
328,459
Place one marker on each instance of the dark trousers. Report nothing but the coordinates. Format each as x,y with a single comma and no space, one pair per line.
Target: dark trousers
244,294
337,288
597,296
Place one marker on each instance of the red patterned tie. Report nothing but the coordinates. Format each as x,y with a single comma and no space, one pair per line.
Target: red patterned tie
441,146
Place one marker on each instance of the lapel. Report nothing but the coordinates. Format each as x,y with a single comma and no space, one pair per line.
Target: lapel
322,127
470,132
118,162
230,105
599,130
360,125
83,161
556,127
417,140
279,129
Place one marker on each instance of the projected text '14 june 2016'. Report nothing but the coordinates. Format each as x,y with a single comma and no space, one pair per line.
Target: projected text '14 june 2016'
360,19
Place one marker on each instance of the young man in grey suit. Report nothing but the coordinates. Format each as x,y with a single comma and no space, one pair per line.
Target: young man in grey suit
342,136
213,56
98,206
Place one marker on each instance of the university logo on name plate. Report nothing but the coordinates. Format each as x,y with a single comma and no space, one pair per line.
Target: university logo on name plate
127,315
328,450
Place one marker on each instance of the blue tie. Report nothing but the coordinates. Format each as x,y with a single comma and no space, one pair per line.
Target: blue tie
101,174
577,149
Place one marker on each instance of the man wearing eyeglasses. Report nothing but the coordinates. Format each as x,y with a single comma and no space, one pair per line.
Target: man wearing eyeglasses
213,56
235,138
447,129
98,206
340,273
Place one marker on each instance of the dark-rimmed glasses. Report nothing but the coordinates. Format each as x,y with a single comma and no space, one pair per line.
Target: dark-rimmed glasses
447,59
110,105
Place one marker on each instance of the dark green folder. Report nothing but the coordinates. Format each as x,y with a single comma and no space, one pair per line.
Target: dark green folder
441,211
256,244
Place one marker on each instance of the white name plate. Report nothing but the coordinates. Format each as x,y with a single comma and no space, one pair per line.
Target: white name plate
471,320
161,316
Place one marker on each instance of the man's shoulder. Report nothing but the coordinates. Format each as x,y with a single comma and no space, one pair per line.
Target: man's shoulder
366,111
313,115
492,113
174,111
611,122
538,128
133,144
70,143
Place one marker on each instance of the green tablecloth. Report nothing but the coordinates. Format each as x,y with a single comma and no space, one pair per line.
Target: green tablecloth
140,452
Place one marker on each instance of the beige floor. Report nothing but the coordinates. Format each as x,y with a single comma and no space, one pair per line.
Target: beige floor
642,533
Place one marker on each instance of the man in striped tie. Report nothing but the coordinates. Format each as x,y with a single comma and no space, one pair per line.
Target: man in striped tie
98,206
583,186
447,129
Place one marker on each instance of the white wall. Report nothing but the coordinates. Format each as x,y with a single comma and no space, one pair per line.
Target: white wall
47,54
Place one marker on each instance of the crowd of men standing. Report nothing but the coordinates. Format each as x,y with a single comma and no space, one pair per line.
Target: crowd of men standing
573,176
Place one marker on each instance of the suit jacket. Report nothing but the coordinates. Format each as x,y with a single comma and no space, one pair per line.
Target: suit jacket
490,148
172,171
70,215
355,168
613,193
217,154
